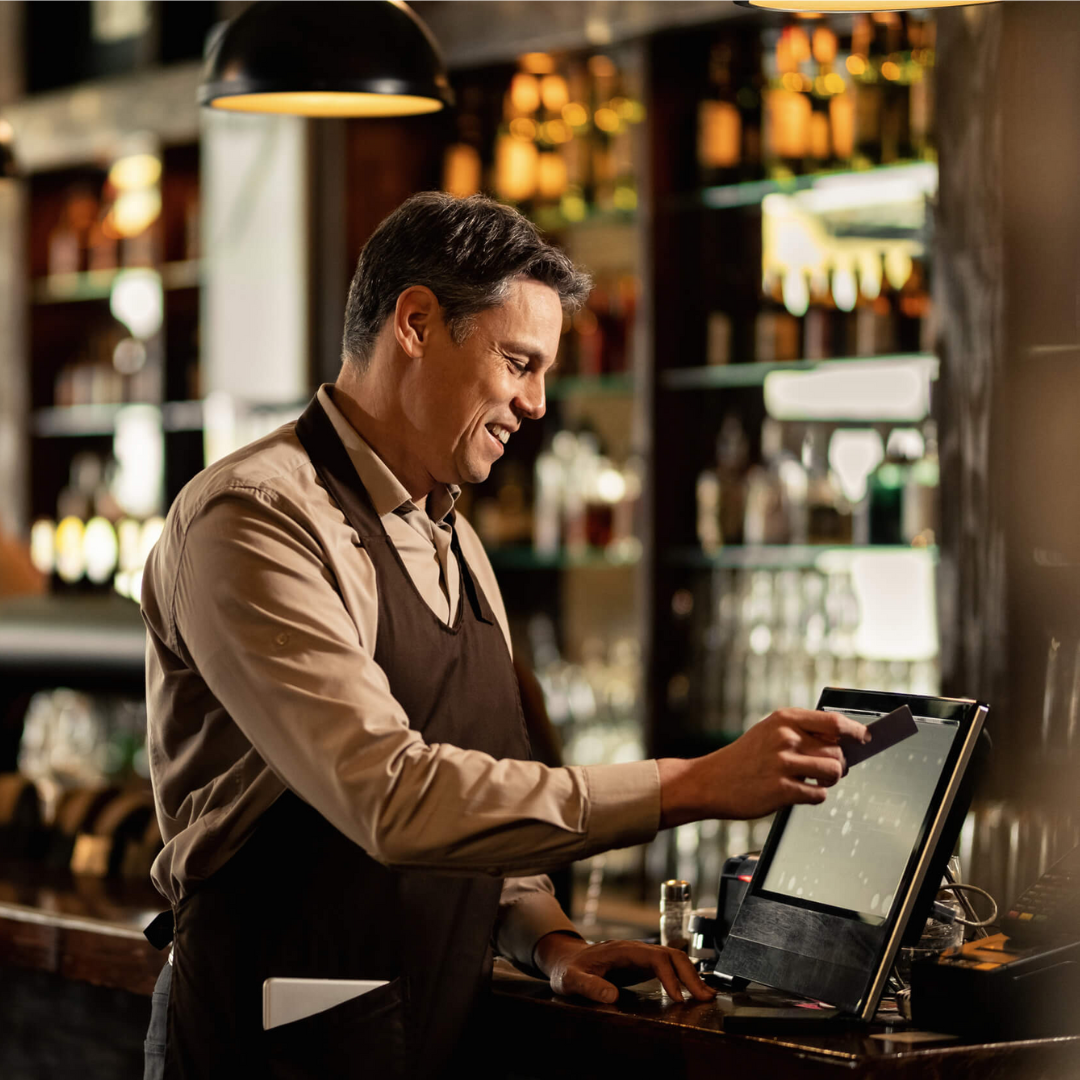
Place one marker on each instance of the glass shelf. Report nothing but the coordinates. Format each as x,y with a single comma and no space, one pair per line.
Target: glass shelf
523,558
753,192
75,421
552,219
786,556
720,376
97,284
620,385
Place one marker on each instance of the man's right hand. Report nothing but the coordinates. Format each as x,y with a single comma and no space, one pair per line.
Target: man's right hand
767,768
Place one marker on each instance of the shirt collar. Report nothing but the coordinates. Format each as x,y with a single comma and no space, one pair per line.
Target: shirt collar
387,492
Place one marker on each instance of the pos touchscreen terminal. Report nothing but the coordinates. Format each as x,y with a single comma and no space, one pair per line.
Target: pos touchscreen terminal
838,883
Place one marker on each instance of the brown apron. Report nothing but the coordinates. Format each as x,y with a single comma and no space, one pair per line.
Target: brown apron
300,899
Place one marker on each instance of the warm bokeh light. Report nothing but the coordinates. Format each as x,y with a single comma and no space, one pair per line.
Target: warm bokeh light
824,45
462,170
135,171
575,114
523,128
525,92
328,103
602,67
550,176
554,92
515,168
719,134
537,63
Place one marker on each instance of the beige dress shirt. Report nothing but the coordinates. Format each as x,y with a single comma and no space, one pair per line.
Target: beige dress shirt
261,610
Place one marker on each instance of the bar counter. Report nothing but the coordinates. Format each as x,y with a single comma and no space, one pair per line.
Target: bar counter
76,975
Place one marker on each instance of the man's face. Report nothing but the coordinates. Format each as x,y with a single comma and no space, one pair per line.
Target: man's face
468,400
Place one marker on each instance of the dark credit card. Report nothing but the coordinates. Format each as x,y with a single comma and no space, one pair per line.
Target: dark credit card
886,731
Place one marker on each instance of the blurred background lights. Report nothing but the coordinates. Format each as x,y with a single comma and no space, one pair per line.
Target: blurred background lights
137,301
135,171
853,456
138,447
847,390
101,550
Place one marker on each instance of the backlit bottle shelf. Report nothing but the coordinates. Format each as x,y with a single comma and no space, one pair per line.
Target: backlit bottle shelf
525,558
865,390
97,284
921,174
617,385
88,421
720,376
787,556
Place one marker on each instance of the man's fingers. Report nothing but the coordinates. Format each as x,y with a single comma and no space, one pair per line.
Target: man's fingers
825,770
590,986
828,724
686,971
796,791
664,970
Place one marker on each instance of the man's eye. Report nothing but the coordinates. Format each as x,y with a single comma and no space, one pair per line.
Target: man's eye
521,365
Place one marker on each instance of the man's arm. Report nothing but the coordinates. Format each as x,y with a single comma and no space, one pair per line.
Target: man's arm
256,611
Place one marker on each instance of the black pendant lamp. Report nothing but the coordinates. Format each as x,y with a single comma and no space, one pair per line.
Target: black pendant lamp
310,58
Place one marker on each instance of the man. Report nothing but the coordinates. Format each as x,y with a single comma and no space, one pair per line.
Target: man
336,743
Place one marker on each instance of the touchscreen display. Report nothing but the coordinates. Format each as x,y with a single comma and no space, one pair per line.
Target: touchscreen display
851,851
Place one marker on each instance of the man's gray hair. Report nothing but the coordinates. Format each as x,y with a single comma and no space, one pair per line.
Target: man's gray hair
466,251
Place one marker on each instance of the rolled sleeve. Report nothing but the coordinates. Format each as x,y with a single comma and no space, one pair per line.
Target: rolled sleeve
528,911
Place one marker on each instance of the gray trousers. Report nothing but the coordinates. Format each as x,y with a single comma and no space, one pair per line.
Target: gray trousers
154,1046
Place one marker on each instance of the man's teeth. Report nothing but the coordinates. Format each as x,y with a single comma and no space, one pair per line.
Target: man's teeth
500,433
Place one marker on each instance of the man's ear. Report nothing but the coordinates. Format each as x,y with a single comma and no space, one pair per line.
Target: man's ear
415,314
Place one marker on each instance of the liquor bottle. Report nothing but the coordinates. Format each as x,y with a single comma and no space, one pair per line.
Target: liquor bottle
462,166
102,240
777,333
576,150
824,46
864,64
748,77
720,134
819,321
920,513
914,331
767,519
828,512
895,118
732,459
604,77
921,92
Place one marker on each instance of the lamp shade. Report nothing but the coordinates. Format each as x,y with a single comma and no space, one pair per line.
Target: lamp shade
326,59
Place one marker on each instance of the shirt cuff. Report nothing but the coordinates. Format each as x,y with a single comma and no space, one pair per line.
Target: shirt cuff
624,804
525,919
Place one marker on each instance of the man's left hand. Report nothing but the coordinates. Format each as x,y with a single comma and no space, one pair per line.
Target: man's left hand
576,967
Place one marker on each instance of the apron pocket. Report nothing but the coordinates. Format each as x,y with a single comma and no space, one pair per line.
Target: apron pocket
364,1036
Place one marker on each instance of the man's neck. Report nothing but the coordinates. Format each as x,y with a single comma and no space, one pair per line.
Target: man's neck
371,413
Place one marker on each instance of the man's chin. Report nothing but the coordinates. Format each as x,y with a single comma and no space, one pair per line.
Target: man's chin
471,472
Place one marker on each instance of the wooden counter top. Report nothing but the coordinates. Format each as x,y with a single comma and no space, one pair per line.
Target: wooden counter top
81,928
647,1033
85,930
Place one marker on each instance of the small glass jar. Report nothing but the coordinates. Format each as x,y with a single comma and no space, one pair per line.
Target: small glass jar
675,908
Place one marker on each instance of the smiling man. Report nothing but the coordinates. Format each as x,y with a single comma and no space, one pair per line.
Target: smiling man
340,765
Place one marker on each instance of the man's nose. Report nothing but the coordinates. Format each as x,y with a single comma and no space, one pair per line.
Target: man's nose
531,402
